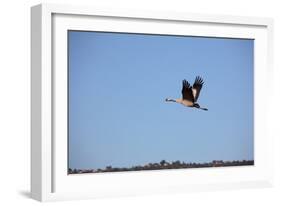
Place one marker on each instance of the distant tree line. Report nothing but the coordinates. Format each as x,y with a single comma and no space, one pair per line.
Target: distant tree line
164,165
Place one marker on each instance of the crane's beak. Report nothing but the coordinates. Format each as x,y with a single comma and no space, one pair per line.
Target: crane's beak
169,100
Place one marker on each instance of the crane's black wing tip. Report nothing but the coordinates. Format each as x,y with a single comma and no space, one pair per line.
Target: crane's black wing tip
199,80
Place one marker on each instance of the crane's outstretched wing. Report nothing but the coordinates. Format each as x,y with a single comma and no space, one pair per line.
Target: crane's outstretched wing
197,86
187,91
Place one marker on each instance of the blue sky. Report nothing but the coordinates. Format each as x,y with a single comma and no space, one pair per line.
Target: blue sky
117,87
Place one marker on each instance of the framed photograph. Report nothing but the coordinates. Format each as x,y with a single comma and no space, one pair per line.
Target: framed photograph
134,102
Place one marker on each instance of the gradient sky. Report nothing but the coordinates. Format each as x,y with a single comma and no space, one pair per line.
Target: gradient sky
117,87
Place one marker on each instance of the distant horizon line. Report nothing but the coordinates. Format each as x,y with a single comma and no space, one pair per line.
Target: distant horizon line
163,164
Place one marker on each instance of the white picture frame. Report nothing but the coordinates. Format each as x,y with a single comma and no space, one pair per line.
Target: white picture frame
49,179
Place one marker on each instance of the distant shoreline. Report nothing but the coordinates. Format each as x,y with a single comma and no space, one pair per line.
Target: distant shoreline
164,165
